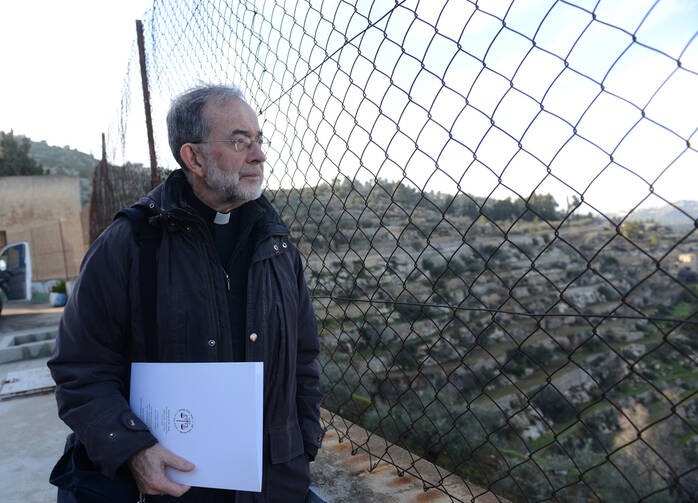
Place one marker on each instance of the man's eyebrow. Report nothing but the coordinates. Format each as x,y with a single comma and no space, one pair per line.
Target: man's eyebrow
245,132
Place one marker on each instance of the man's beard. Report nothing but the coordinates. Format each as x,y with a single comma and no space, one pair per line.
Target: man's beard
227,185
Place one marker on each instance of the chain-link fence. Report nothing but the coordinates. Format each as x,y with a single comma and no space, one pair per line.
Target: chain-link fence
493,200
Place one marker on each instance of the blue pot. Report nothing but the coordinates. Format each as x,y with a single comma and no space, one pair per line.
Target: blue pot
57,299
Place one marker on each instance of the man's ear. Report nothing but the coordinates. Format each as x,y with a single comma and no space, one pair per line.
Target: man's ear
192,158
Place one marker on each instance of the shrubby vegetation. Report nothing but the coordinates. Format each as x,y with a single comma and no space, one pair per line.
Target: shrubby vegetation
419,347
14,157
63,160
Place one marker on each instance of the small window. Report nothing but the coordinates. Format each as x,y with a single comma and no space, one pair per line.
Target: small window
14,256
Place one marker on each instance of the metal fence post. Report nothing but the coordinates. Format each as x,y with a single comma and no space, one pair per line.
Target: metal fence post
154,178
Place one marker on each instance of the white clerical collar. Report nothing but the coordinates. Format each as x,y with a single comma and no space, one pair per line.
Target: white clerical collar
221,218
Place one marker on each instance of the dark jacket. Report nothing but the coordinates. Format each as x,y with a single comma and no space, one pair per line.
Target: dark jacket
101,331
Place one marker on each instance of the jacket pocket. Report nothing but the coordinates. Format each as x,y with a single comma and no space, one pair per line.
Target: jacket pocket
285,444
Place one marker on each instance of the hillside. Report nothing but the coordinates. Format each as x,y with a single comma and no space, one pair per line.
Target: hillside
63,160
479,344
668,215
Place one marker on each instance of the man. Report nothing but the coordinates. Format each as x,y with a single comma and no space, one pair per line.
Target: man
230,287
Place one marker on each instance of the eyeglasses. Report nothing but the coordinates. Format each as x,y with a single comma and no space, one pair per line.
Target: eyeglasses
241,143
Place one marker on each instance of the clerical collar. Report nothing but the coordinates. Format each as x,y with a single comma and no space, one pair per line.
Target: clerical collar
221,218
209,215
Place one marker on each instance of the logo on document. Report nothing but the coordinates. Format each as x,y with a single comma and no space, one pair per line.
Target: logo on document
183,421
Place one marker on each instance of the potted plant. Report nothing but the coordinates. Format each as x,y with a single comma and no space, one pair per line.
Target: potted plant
57,296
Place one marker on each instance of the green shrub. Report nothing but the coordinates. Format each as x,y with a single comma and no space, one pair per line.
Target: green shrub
58,287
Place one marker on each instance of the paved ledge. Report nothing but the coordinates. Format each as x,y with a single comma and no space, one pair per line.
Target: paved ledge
343,471
20,316
26,382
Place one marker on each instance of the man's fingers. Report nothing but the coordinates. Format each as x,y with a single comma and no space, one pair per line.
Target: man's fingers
173,488
163,485
178,463
148,468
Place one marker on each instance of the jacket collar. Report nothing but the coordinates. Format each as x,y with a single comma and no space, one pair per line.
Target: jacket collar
170,198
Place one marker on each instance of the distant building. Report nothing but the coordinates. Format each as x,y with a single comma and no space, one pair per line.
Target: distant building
44,211
687,258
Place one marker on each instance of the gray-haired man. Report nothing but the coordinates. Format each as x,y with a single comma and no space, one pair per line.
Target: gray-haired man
230,287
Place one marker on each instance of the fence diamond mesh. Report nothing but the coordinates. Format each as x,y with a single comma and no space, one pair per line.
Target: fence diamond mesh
494,204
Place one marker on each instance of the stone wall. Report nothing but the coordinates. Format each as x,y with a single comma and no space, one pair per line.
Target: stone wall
27,201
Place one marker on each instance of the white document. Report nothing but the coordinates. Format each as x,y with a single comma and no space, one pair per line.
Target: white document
207,413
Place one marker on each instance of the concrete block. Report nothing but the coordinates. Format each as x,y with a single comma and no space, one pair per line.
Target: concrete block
28,344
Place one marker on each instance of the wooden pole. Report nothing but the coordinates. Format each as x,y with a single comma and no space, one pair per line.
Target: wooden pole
65,260
154,177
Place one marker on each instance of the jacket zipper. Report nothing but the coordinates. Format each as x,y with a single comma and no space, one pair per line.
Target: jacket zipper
208,246
212,289
186,216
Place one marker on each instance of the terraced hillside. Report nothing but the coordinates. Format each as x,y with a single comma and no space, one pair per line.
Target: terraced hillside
545,349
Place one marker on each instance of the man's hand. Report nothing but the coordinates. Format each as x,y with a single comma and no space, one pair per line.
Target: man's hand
148,468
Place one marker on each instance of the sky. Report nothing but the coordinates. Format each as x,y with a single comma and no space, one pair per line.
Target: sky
63,66
401,93
438,106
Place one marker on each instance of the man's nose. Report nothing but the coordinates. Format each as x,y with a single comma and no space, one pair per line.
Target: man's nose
256,153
